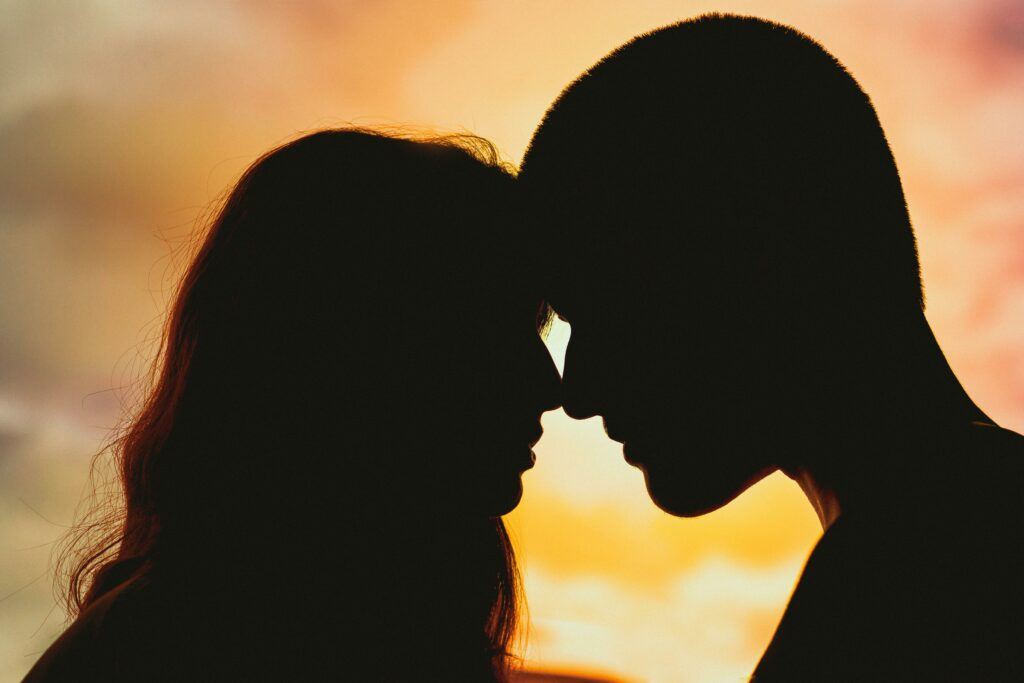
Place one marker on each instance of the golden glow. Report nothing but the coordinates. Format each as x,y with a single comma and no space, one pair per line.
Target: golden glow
119,124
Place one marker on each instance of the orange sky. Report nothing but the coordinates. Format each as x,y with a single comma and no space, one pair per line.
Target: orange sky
120,122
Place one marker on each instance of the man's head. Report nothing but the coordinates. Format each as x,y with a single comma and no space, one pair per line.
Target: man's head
733,251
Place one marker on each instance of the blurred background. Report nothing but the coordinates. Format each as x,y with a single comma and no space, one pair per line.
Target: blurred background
120,123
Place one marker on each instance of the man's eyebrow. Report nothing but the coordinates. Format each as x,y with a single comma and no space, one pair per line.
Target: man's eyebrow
556,300
557,310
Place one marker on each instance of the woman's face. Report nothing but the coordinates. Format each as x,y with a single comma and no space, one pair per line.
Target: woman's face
476,378
507,381
414,288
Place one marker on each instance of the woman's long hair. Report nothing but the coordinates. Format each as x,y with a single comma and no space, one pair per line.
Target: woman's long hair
263,361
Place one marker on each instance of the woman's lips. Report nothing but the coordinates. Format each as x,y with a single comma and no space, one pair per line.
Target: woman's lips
522,460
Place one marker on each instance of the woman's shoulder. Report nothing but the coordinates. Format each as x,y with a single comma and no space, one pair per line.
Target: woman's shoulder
88,648
146,629
166,628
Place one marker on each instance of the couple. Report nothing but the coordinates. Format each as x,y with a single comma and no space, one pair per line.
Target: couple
352,378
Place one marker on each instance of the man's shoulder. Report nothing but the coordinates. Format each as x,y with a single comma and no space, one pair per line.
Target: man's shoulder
955,538
998,448
911,611
982,489
930,587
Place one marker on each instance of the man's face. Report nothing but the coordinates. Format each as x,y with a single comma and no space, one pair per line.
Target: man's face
676,371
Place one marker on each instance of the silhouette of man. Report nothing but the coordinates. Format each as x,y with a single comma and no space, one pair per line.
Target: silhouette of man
736,258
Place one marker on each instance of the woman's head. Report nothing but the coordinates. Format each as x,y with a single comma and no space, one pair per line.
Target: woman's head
370,299
352,358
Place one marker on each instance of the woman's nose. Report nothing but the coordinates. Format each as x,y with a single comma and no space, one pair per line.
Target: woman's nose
578,398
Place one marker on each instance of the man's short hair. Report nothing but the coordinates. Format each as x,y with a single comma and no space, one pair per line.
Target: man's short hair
737,133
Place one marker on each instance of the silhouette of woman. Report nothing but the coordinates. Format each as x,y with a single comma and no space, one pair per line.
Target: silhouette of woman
350,383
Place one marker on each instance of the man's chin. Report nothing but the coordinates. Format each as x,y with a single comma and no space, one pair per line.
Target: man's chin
685,496
681,505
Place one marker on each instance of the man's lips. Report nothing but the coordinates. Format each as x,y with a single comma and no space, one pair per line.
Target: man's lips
614,433
629,454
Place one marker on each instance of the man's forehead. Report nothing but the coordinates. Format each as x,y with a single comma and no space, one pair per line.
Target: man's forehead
610,281
605,284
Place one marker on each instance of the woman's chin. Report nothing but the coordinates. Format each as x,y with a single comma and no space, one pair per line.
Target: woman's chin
493,487
503,497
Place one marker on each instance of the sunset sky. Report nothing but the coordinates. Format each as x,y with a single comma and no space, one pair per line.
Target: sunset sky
121,122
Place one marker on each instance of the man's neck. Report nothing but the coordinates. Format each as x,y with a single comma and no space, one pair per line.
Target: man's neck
922,409
905,464
823,499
